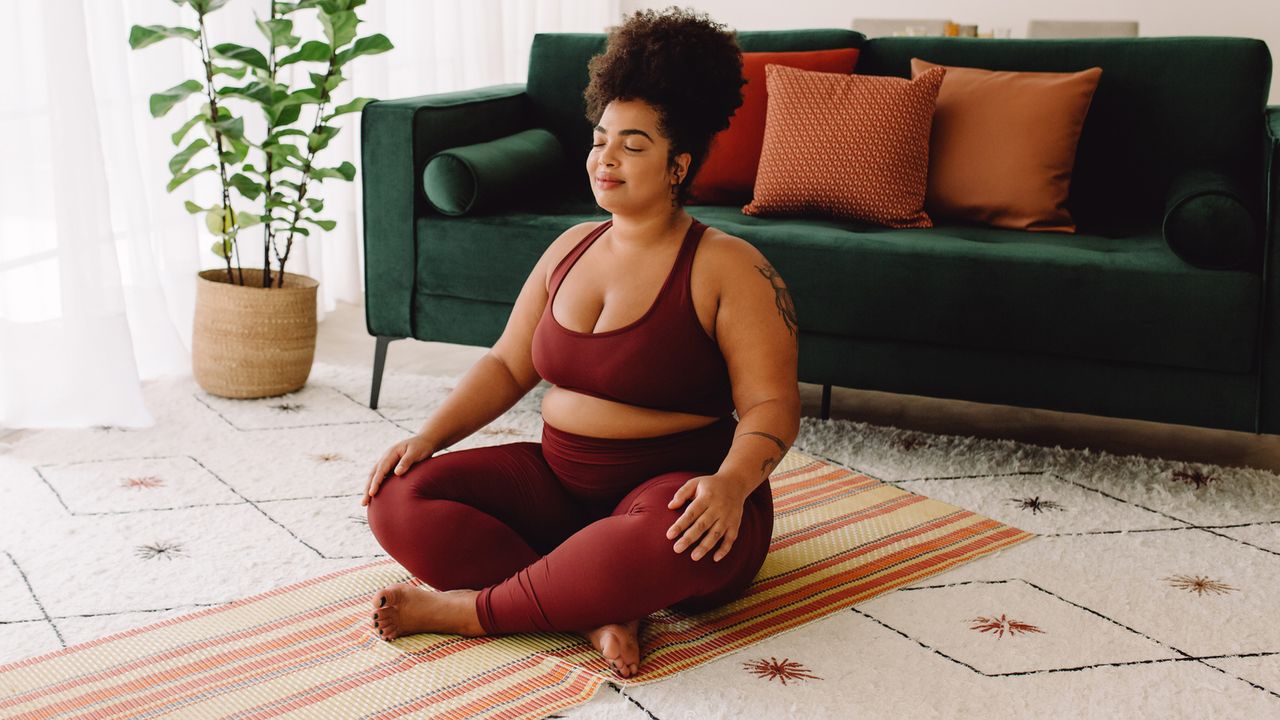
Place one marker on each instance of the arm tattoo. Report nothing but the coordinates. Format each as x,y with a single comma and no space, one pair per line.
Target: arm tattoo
782,298
767,467
781,445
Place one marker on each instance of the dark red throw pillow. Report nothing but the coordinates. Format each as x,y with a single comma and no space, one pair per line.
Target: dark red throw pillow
728,174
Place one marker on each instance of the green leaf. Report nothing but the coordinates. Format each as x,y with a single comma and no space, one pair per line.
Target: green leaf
246,220
239,151
346,171
213,220
222,221
179,161
319,140
305,96
322,224
286,8
206,6
281,153
235,72
192,207
239,53
283,133
316,204
354,106
290,184
311,51
339,27
187,175
256,91
279,32
284,114
232,128
222,248
246,185
141,36
163,102
371,45
186,128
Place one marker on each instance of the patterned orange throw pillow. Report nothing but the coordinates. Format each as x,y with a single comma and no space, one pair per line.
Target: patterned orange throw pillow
847,146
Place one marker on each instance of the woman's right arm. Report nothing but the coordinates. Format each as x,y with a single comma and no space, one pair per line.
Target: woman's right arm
494,384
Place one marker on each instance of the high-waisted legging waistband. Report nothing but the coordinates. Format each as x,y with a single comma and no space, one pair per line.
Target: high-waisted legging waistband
578,459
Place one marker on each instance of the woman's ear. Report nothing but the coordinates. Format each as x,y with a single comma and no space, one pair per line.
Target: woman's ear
681,169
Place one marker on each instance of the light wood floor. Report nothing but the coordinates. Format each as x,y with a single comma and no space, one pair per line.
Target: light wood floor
343,339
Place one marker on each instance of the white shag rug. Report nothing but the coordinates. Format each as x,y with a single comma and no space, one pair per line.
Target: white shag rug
1152,591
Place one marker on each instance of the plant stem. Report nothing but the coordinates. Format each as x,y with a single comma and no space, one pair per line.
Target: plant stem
217,148
268,232
306,167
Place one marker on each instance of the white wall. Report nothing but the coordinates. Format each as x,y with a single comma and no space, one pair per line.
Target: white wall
1243,18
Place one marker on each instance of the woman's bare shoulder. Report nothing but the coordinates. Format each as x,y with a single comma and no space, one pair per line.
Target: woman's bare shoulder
561,246
729,257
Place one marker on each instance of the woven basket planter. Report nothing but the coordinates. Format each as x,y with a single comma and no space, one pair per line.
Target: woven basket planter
250,341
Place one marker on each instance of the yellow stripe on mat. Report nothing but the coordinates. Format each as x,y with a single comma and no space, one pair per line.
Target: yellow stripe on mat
308,649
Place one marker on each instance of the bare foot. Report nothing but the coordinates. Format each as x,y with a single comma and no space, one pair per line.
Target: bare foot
619,643
404,609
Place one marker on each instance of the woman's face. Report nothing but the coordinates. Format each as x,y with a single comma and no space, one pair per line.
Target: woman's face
627,165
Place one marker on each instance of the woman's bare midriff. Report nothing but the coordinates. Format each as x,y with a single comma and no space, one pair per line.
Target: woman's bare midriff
581,414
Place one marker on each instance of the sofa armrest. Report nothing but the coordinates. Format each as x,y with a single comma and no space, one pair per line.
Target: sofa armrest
1268,338
396,139
1207,223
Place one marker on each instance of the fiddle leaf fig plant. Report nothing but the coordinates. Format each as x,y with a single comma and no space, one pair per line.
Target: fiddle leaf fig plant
264,181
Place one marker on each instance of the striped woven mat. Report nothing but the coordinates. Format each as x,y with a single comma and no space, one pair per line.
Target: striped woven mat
308,649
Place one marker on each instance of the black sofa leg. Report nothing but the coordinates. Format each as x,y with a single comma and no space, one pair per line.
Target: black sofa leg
379,360
826,402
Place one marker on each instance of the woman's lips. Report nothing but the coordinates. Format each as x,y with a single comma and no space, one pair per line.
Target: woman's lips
608,184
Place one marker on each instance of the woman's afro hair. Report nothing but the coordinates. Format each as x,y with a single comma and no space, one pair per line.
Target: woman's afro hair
686,66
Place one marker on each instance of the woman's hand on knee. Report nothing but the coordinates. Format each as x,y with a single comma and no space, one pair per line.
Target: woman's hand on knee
398,459
714,514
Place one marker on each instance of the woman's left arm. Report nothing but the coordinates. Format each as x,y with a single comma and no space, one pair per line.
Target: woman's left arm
757,330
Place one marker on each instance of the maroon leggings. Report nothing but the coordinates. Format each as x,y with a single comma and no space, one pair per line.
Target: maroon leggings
570,533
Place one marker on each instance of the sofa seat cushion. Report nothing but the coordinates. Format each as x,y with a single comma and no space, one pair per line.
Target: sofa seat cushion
488,256
1126,299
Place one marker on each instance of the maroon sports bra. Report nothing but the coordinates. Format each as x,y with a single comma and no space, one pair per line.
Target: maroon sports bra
664,360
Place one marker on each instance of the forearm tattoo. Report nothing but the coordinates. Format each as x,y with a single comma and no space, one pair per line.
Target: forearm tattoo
782,298
769,464
767,467
776,440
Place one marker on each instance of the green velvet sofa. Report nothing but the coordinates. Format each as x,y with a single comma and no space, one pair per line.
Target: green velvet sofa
1117,320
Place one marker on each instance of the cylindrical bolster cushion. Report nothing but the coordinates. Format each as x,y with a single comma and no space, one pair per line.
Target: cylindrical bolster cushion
493,174
1207,224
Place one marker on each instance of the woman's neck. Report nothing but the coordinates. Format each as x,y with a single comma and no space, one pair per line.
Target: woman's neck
639,232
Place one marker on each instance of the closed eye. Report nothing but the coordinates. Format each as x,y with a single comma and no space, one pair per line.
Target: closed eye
624,147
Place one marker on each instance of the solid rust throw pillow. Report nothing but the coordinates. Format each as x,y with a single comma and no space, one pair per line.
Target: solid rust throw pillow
1004,145
729,172
847,146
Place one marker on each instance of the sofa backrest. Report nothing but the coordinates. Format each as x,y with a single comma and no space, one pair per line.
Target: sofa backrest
558,76
1163,105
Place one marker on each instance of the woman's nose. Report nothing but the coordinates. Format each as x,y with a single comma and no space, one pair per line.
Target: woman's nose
608,155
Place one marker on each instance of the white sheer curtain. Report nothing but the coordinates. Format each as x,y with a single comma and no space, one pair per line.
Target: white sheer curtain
97,261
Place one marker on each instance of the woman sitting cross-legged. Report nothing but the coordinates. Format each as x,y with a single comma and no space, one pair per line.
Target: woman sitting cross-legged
644,492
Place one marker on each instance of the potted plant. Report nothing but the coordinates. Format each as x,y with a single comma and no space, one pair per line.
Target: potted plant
255,328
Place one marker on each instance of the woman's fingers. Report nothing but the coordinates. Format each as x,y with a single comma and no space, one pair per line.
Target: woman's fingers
685,521
729,538
709,541
380,473
694,532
